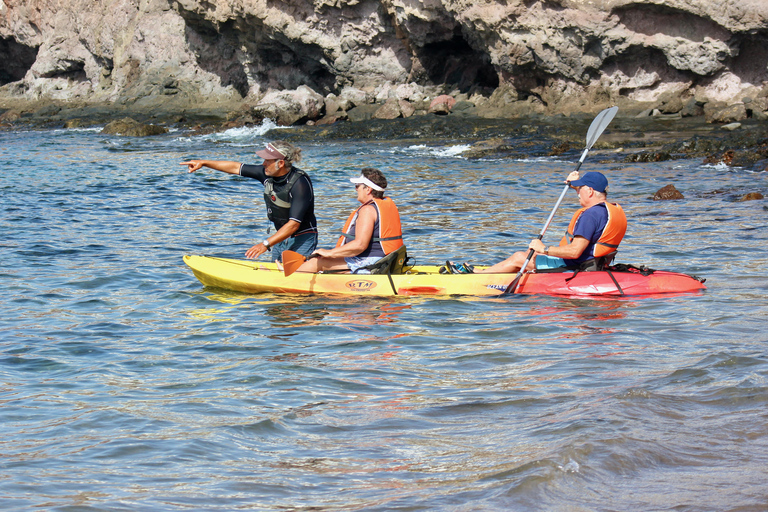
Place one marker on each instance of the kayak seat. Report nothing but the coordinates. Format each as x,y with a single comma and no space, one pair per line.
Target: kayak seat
599,263
591,265
392,263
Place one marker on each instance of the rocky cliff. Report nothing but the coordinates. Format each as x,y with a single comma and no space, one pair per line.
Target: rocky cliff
512,56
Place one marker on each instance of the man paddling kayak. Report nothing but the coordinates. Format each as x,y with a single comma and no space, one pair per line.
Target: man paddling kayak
595,230
288,194
371,232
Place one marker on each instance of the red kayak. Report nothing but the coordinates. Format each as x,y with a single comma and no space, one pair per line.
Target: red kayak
616,281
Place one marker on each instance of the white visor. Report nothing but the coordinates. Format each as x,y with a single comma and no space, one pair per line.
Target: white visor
365,181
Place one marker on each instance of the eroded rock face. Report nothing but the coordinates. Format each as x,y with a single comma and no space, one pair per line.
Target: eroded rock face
554,56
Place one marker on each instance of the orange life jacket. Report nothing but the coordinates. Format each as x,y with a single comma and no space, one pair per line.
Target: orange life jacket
387,232
612,234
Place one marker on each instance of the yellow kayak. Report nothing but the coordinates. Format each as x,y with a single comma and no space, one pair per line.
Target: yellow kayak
249,276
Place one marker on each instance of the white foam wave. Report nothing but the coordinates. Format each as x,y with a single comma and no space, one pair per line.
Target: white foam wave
440,151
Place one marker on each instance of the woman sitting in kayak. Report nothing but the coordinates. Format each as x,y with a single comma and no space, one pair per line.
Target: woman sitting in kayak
371,232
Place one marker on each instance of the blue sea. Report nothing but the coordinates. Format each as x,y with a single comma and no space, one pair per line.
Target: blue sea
125,385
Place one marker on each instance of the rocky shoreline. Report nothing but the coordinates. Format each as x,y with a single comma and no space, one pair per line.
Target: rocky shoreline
690,78
740,140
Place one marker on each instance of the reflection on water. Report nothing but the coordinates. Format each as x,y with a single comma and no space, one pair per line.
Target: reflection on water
126,384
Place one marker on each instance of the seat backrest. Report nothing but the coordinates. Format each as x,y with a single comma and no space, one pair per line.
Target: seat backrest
598,263
392,263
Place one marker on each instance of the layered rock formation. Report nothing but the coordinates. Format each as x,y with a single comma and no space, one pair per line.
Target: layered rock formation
512,56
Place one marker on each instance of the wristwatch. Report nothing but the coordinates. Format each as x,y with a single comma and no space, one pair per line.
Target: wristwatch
265,243
546,250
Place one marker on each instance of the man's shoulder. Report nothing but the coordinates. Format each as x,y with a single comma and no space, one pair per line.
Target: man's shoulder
298,177
255,171
597,210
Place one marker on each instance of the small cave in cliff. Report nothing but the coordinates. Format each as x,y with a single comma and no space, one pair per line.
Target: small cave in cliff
16,61
751,64
237,50
455,63
641,68
290,64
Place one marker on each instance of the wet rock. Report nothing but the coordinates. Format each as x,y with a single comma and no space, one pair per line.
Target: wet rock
760,166
132,128
648,156
752,196
731,126
495,148
667,193
724,158
10,116
337,116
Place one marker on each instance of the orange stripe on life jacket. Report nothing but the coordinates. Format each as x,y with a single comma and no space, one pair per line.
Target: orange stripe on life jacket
612,234
390,232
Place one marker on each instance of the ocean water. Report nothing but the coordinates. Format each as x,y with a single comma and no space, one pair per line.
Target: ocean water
127,385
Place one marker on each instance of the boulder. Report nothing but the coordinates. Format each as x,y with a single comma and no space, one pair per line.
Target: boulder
10,116
667,193
726,115
394,108
290,107
131,128
442,105
389,110
752,196
692,108
339,115
354,97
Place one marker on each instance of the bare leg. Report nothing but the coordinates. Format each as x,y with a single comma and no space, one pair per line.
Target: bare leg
315,265
510,265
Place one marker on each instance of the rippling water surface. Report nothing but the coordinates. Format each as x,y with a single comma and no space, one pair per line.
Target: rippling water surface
126,385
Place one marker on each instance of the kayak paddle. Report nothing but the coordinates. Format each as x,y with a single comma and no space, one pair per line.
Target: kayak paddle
598,126
292,260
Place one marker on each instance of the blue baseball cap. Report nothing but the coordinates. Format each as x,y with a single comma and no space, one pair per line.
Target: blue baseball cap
594,180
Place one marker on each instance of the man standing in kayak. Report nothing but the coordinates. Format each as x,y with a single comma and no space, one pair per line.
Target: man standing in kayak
288,194
595,230
371,232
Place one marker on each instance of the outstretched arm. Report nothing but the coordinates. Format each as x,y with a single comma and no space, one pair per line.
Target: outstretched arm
219,165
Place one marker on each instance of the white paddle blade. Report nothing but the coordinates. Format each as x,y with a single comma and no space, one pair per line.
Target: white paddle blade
599,124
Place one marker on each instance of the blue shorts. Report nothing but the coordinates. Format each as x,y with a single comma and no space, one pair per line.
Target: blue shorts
544,262
355,262
303,244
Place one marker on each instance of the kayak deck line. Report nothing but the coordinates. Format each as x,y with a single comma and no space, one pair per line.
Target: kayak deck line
248,276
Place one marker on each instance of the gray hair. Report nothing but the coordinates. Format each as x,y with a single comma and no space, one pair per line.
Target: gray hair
291,153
